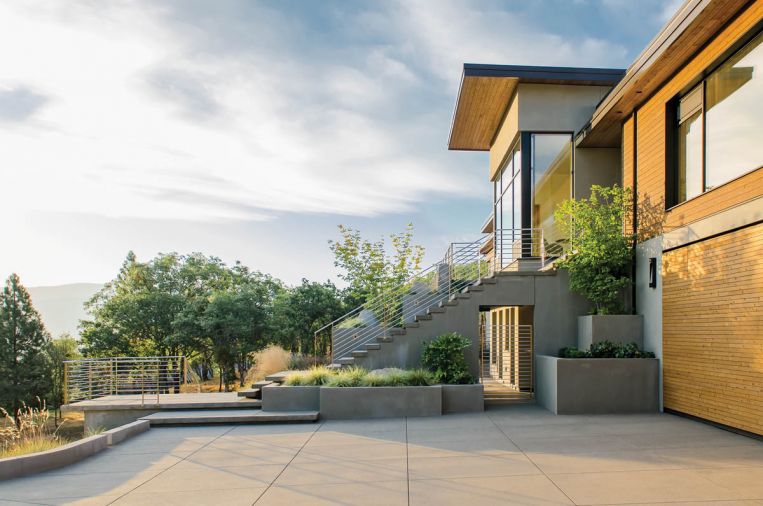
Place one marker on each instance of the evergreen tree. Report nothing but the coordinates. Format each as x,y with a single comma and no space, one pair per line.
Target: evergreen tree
24,368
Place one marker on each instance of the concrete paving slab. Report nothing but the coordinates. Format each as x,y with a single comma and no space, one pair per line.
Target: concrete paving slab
676,485
381,493
422,468
194,476
487,491
241,456
315,472
228,497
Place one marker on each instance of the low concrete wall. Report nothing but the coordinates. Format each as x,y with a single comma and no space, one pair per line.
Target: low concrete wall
33,463
96,420
621,328
23,465
116,436
597,385
296,398
463,398
380,402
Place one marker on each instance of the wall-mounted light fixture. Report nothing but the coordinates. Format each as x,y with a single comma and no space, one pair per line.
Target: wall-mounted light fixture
652,272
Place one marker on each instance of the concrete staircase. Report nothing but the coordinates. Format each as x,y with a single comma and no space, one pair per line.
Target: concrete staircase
401,346
228,416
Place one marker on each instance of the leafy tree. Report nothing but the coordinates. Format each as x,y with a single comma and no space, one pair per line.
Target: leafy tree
63,348
236,322
302,310
369,269
24,372
599,252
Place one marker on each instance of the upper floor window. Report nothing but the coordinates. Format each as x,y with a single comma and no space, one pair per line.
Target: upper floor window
718,126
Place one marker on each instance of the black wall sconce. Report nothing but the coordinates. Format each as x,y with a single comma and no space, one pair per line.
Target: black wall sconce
652,272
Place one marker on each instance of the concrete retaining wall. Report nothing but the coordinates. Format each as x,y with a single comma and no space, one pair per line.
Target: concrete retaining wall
380,402
112,418
296,398
597,385
116,436
463,398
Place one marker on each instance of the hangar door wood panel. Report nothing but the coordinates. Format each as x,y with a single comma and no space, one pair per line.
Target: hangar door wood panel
713,329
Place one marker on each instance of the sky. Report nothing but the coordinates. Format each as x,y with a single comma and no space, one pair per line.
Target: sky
249,130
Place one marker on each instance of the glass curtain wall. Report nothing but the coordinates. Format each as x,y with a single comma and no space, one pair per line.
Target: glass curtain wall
551,173
507,208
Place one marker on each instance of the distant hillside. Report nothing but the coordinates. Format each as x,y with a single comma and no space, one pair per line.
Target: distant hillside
61,306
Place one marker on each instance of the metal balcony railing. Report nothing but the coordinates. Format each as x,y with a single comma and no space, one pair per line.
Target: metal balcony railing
145,376
463,264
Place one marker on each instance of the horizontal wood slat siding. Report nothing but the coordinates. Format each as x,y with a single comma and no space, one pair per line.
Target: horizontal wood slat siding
651,135
713,329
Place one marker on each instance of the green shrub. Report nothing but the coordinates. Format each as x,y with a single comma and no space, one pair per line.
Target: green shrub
606,349
444,358
573,352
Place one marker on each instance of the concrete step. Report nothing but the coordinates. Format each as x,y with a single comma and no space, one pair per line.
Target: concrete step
376,346
463,296
485,281
346,361
396,331
423,317
359,353
250,393
279,377
412,325
385,339
449,302
228,416
474,288
434,310
260,384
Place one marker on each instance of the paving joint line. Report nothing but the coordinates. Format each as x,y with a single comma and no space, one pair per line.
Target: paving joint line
173,465
530,460
407,465
320,426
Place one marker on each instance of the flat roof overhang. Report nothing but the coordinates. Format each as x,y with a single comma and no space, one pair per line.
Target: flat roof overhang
694,24
486,91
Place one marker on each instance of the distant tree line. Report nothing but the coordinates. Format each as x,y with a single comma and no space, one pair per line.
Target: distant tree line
194,305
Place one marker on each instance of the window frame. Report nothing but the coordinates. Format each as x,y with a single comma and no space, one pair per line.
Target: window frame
673,122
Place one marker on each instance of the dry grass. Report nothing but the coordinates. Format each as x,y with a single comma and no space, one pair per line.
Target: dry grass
271,360
31,431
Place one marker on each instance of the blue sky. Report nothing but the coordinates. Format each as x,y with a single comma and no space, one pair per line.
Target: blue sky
250,129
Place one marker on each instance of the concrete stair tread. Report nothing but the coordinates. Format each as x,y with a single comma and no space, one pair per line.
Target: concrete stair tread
376,346
260,384
249,393
359,353
205,416
279,377
385,339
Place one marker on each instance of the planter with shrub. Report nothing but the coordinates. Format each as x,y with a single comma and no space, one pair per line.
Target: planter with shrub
607,378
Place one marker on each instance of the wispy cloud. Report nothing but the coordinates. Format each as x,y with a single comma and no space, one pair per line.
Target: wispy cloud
289,119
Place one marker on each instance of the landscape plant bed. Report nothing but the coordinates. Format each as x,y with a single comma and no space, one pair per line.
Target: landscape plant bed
597,385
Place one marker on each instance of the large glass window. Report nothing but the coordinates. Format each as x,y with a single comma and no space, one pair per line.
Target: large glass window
508,203
734,105
551,168
718,125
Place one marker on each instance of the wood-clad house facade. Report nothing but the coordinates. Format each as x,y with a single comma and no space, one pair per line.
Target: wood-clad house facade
682,127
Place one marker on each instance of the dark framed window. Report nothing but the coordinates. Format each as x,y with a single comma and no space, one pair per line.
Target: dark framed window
715,128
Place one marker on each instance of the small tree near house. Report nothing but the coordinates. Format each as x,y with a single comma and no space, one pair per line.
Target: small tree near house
599,253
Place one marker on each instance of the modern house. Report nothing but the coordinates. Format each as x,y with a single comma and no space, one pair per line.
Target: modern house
682,127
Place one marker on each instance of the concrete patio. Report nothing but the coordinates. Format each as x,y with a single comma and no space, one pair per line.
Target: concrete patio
514,455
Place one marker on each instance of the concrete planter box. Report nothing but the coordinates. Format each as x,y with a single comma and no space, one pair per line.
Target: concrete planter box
567,386
380,402
621,328
463,398
296,398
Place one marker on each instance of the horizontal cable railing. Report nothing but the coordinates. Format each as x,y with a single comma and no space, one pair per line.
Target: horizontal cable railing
145,376
464,263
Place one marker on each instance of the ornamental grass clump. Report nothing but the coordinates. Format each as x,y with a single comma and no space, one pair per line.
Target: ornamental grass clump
27,432
352,377
315,376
